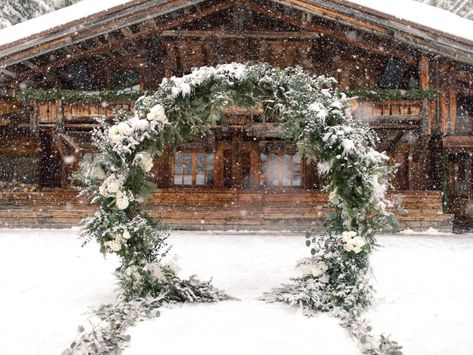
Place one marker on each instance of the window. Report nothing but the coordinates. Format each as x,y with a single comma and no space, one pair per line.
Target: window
281,169
127,80
460,170
464,121
193,168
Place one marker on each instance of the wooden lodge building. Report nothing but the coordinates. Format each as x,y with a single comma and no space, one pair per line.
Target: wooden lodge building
412,84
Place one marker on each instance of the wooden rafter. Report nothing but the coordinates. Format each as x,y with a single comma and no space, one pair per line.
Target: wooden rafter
9,73
127,32
131,39
29,64
245,34
342,37
66,37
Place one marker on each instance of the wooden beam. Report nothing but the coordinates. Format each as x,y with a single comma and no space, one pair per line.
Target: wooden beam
355,41
132,39
424,72
330,14
241,35
8,73
147,25
103,24
30,65
127,32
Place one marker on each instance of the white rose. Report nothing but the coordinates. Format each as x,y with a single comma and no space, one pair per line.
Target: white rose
157,113
114,246
103,189
122,200
347,236
114,135
144,160
352,242
124,129
139,125
114,186
126,235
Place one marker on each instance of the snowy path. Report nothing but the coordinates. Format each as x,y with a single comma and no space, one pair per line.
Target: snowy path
424,283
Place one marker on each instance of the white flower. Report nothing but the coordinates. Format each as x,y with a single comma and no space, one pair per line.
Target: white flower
144,160
139,124
103,190
114,135
157,113
114,186
352,242
122,201
111,185
124,129
114,245
133,272
126,235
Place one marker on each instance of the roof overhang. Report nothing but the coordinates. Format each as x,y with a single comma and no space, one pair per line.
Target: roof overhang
412,35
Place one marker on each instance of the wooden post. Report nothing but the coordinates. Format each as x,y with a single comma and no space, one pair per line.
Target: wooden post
424,84
452,99
424,72
34,119
59,117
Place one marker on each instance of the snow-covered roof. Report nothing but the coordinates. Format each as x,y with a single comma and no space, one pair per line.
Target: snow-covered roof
410,10
424,15
57,18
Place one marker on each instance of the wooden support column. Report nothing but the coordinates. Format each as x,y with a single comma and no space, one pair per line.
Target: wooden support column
424,84
452,100
424,72
34,119
443,70
59,117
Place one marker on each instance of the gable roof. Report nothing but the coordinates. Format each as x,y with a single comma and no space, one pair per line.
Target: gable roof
402,21
415,12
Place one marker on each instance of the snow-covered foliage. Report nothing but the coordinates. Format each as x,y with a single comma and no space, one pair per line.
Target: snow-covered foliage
108,333
16,11
310,111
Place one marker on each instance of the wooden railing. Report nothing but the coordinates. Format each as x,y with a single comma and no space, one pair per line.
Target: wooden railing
54,111
400,112
394,112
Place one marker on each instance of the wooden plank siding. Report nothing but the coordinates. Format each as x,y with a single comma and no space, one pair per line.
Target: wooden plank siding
216,209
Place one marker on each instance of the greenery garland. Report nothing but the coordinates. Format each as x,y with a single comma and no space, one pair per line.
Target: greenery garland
311,112
393,94
31,94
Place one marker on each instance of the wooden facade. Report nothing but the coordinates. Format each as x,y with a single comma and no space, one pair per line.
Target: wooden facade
135,45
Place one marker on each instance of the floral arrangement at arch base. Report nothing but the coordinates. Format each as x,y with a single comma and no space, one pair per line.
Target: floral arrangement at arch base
313,114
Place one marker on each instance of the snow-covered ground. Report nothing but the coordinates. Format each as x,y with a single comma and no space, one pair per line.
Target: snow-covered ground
48,282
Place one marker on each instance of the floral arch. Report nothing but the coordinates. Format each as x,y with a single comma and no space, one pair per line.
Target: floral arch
311,112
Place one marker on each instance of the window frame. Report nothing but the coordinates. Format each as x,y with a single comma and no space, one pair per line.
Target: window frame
193,163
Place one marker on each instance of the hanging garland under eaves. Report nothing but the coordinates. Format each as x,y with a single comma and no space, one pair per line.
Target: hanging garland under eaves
393,94
31,94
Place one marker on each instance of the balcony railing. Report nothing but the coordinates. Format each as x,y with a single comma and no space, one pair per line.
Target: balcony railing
71,113
396,113
388,113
